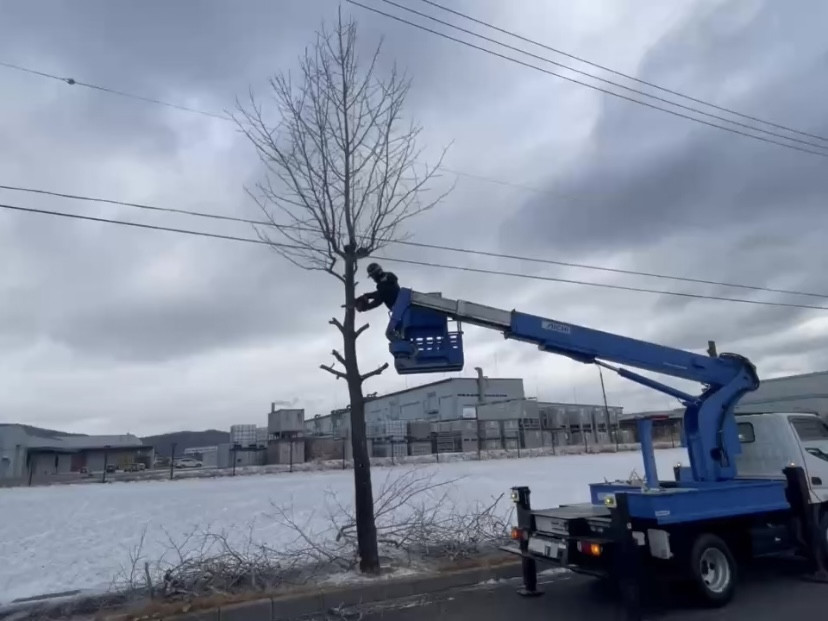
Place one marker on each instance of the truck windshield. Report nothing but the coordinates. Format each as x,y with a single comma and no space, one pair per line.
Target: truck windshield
813,433
810,428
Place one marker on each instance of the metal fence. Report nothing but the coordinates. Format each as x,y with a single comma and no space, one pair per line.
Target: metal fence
397,439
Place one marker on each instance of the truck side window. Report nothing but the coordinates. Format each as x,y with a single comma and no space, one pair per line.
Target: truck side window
746,435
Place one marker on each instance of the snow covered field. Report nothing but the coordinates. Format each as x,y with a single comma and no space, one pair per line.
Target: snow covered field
80,536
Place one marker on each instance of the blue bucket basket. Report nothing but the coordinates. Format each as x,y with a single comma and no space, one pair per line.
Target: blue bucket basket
424,343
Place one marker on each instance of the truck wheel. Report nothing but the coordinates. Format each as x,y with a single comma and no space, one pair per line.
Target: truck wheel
713,570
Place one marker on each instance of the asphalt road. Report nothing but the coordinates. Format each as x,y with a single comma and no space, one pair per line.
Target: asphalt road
769,592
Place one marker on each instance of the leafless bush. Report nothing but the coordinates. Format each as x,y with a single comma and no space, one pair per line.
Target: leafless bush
208,563
418,519
415,514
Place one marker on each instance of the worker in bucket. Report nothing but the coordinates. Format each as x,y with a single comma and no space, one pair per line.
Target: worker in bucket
387,289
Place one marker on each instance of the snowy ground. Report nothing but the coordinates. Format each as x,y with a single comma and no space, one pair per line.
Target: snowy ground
80,536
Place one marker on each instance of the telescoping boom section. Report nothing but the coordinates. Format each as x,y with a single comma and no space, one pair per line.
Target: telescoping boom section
425,336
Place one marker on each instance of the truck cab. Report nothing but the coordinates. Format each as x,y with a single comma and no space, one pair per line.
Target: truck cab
772,441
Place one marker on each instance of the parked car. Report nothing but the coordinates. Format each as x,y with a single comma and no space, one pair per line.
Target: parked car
187,462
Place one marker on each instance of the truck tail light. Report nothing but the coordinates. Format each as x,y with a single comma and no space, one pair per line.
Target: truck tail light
589,548
517,534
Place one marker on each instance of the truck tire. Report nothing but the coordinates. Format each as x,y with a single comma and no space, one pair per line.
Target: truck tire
713,570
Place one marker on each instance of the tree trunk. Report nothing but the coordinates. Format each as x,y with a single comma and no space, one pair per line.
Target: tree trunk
363,492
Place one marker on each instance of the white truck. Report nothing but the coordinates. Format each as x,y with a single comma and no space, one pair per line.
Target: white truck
755,484
706,552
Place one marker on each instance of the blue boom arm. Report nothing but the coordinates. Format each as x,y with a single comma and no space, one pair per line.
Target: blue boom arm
421,341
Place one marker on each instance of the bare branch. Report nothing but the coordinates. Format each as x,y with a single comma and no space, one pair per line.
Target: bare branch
338,357
334,372
340,162
361,330
376,371
335,322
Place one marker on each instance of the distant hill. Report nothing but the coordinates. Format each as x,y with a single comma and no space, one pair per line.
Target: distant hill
185,439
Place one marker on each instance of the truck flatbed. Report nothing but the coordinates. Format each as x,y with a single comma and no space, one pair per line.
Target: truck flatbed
691,501
572,512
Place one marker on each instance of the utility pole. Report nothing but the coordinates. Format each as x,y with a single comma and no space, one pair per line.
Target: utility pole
30,463
606,408
172,459
481,399
106,463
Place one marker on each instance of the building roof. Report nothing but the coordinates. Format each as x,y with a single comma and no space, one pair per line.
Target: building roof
569,404
77,443
442,381
91,442
794,376
675,413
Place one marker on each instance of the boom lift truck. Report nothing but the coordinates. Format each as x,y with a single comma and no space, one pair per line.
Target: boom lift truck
756,484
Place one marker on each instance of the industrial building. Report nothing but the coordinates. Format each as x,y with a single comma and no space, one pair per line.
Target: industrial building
668,426
278,442
460,415
579,423
444,400
227,455
807,392
26,455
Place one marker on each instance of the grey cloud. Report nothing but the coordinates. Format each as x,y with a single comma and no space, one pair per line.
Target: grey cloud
645,175
87,309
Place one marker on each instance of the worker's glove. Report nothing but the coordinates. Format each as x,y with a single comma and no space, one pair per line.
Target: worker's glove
360,303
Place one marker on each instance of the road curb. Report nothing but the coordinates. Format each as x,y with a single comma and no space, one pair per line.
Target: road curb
285,607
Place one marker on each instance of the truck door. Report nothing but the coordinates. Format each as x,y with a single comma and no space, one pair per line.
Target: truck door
813,436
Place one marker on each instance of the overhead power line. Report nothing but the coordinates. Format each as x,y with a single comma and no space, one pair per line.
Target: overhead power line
699,296
511,33
224,117
105,89
414,262
485,253
604,80
140,225
580,82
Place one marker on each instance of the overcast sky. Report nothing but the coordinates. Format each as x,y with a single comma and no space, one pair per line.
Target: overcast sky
105,329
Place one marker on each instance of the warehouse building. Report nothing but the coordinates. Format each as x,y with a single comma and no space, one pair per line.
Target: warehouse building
581,423
807,392
25,454
444,400
483,399
668,426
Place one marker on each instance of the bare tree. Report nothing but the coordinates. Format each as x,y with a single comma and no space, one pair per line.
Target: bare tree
343,174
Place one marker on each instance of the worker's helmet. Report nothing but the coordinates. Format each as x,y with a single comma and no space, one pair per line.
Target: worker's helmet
374,270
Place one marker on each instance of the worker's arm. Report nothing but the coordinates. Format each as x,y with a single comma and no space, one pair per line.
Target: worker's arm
367,301
372,300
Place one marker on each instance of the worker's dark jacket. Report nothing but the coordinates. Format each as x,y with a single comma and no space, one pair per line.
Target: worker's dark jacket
388,288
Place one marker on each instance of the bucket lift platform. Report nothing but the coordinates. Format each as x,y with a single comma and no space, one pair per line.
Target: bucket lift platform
423,340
